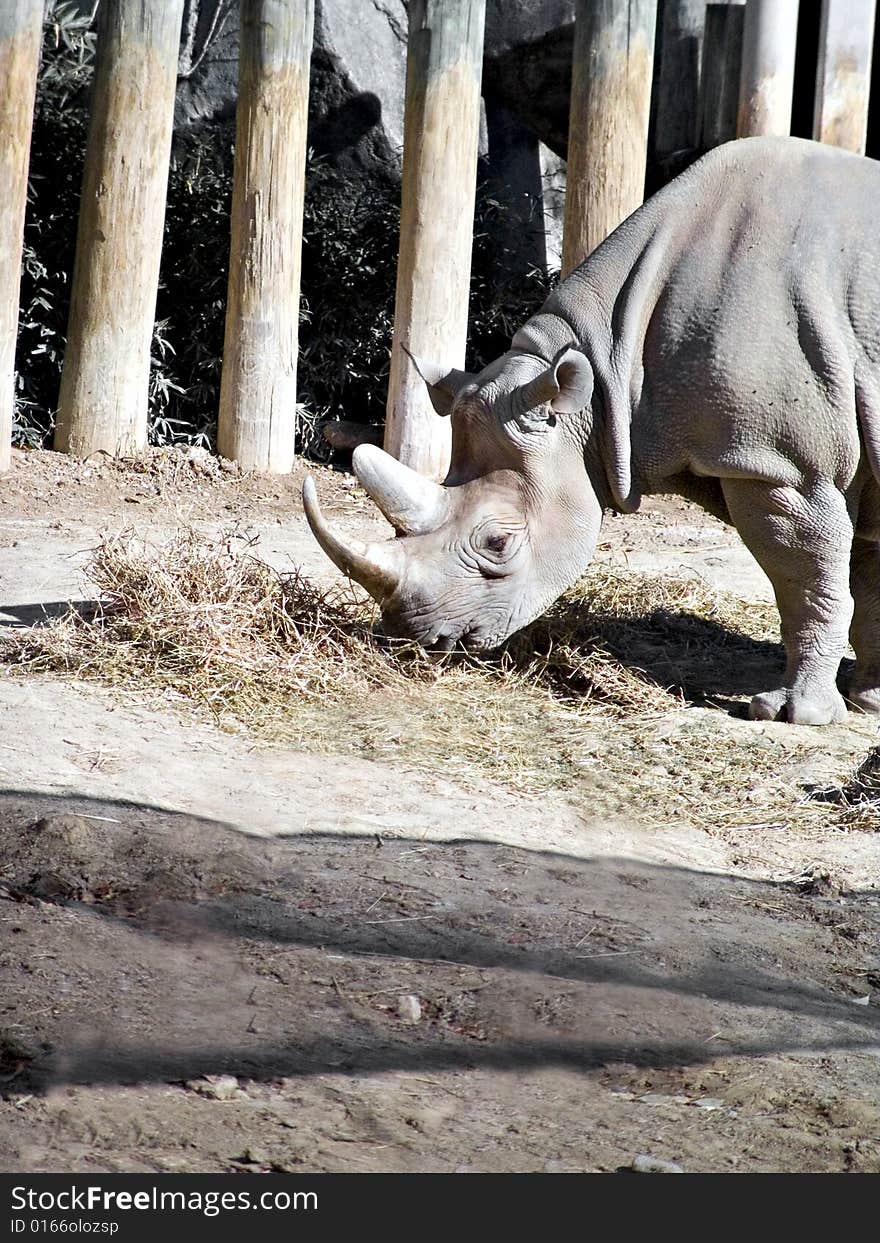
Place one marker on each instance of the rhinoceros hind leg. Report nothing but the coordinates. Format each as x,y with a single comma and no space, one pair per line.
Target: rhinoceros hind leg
864,687
802,540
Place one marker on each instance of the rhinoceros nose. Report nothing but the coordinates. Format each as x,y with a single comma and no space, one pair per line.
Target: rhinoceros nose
392,625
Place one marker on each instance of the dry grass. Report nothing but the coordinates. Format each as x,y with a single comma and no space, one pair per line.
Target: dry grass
590,698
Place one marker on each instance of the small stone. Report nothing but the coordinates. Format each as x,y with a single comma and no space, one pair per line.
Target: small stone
216,1087
409,1008
53,887
645,1164
862,1001
200,460
252,1156
710,1102
64,830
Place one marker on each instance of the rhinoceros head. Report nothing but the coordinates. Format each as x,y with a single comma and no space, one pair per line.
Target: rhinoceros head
514,523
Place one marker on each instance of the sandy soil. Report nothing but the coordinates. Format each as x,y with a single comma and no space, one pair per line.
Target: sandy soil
215,956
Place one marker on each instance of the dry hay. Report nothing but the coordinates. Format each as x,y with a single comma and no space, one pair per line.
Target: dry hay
591,698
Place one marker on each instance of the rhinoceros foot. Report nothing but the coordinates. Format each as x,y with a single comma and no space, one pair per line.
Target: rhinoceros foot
798,707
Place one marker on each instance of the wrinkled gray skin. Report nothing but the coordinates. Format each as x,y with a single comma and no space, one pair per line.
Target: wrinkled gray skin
722,344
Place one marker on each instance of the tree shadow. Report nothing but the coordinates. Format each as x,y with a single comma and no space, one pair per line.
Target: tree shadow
696,658
46,612
199,914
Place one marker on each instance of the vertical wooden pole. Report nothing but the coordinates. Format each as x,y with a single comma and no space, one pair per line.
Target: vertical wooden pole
441,131
21,26
843,78
104,393
257,420
677,73
767,77
722,67
612,69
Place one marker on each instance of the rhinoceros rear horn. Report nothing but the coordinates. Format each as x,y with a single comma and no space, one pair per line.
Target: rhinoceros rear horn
412,504
377,568
567,384
443,383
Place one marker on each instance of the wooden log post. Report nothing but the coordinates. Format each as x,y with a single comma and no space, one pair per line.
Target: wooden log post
612,69
257,419
722,67
843,77
441,134
676,102
104,395
767,77
21,27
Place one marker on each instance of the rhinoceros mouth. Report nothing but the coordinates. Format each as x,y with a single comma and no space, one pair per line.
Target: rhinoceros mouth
438,638
469,640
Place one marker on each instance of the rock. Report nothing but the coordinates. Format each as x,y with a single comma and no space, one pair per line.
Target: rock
357,81
63,830
358,75
53,886
252,1156
645,1164
659,1098
347,435
216,1087
528,64
201,461
14,1054
409,1008
710,1103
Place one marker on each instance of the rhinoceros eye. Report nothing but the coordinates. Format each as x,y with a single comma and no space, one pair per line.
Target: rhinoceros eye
496,543
494,549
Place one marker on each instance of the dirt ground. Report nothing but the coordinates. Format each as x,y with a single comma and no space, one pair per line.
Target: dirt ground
216,956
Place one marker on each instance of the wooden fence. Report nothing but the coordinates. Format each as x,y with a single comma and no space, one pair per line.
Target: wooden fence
746,88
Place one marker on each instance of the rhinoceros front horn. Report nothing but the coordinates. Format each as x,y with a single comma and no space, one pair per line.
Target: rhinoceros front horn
377,568
412,504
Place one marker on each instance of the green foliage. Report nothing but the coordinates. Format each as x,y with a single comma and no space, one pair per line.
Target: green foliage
499,302
350,236
191,306
348,271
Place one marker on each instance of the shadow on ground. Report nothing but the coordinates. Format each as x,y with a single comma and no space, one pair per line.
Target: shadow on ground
44,614
143,945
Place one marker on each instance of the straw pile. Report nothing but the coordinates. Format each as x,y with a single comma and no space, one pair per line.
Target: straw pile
592,697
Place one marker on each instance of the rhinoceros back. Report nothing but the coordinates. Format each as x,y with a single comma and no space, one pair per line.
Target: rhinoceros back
740,304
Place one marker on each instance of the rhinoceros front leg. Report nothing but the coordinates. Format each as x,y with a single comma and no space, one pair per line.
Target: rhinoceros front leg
864,582
802,541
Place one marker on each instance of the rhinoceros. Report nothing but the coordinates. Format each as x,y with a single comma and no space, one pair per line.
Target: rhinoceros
722,344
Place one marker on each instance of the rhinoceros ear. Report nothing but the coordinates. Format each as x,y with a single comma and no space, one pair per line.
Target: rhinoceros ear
443,384
574,376
566,386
